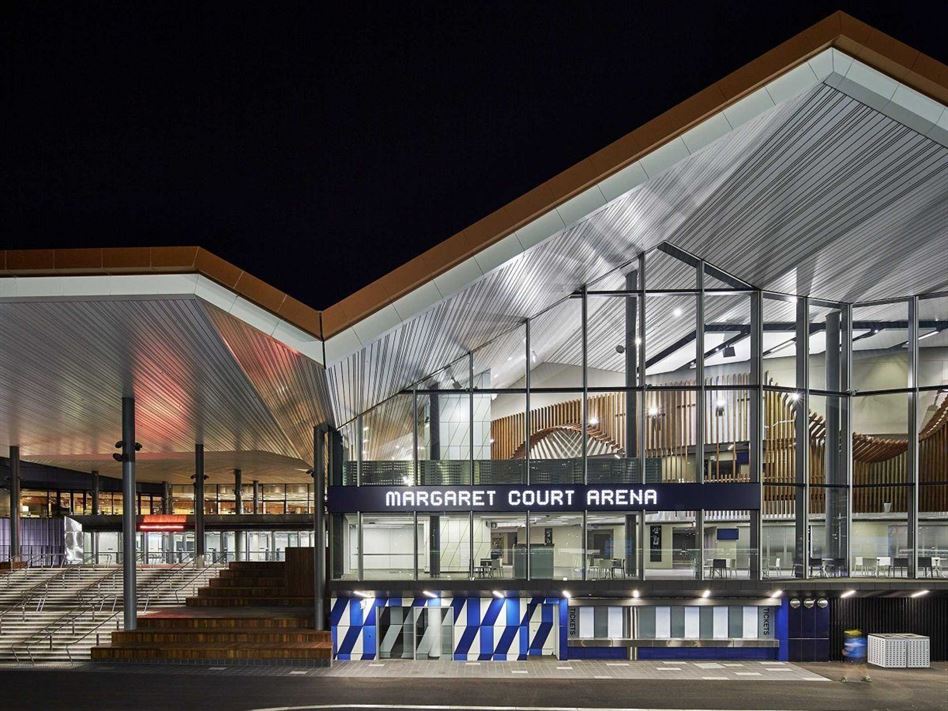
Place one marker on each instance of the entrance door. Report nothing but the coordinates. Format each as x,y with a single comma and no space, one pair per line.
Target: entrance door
396,635
434,631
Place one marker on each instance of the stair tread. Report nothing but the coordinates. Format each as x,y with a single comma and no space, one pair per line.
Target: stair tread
321,644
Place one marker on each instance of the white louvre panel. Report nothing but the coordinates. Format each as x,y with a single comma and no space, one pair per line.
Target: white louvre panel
692,622
662,623
806,198
197,373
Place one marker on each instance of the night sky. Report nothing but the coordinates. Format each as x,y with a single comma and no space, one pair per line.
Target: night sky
320,145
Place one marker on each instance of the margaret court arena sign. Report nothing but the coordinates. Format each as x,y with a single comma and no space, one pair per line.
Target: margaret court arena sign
567,497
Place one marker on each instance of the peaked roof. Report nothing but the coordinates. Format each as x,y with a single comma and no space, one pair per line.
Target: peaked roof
876,49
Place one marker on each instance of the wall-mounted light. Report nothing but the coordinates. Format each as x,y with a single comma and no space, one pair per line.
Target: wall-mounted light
919,593
706,593
848,593
498,594
566,594
428,593
635,594
776,593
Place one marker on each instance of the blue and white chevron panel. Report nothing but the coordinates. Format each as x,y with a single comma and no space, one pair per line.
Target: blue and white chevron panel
481,629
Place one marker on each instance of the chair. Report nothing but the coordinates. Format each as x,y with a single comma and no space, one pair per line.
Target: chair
495,567
718,567
925,564
900,564
860,566
775,566
817,564
884,562
839,567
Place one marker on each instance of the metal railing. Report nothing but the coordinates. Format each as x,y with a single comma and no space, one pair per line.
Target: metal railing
169,581
35,597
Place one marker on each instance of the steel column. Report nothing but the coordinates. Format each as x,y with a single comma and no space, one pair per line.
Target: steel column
199,477
912,452
14,504
129,515
95,492
319,525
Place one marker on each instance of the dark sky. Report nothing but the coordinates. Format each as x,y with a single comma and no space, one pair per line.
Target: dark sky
320,145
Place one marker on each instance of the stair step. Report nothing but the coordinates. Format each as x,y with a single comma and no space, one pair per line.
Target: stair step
226,622
242,592
256,565
246,579
318,651
282,601
198,637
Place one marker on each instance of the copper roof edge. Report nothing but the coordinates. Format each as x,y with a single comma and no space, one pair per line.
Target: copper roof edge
876,49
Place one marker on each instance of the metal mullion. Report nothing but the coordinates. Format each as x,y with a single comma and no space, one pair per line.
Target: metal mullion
585,545
912,451
360,436
361,552
755,453
641,383
414,539
801,463
585,405
470,421
699,412
414,441
527,423
846,424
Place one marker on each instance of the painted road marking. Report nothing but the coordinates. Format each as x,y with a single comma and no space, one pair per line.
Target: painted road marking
714,678
519,671
747,673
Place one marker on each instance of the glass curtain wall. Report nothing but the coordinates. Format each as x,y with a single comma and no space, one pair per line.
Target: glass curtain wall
670,371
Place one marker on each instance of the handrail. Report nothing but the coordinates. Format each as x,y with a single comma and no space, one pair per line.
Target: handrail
97,628
177,579
28,596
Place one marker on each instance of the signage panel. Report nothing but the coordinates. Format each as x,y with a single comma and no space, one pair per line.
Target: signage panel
566,497
165,523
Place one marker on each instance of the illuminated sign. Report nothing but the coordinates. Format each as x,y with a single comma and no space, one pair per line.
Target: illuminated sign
162,523
578,497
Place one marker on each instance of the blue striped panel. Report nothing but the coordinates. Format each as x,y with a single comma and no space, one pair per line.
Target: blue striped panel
338,605
487,643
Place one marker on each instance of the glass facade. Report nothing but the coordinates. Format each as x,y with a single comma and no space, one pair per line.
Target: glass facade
672,371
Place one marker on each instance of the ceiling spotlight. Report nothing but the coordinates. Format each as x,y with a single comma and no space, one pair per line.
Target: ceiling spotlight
653,411
721,403
795,397
593,421
676,313
729,352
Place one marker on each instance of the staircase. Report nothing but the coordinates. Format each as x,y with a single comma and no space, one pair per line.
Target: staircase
58,614
249,584
247,615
